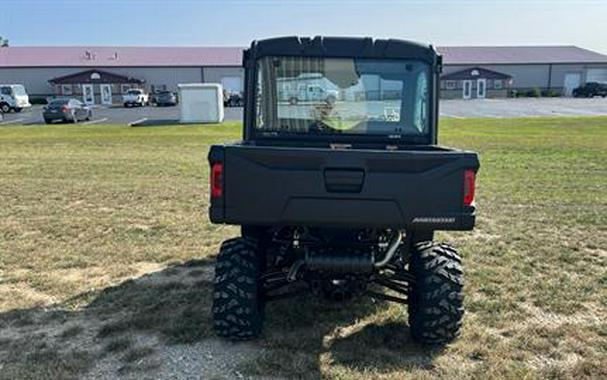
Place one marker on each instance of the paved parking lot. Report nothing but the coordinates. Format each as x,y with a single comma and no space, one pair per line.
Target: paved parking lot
115,115
522,107
458,108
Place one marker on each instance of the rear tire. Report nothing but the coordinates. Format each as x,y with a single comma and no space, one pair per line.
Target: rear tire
5,108
48,121
238,306
436,298
18,109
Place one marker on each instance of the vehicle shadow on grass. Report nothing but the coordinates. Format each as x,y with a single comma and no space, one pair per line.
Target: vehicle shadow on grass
310,338
301,337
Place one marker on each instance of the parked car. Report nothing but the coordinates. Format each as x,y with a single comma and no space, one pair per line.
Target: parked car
591,89
165,98
233,99
66,110
13,97
135,97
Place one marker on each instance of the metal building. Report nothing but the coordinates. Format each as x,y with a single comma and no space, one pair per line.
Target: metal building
102,74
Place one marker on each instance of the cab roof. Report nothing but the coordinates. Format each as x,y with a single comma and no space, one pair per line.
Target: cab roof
342,47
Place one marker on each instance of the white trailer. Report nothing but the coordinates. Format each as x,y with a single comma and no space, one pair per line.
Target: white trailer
201,103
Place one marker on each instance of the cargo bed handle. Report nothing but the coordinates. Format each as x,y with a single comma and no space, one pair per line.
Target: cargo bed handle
344,180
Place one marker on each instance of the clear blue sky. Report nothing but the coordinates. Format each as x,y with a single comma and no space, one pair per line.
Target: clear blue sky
237,22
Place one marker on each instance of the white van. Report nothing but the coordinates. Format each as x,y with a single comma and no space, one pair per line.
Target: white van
13,97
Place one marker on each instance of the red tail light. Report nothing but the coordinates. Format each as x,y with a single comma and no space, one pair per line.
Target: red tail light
469,178
217,179
64,109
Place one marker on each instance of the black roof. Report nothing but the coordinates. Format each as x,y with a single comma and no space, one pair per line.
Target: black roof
475,72
338,47
94,76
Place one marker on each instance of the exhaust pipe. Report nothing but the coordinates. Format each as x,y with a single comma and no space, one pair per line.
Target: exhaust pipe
391,250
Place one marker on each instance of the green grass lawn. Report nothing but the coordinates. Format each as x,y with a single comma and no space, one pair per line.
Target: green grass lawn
84,209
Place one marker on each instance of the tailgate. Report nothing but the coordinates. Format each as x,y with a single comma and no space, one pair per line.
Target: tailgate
420,189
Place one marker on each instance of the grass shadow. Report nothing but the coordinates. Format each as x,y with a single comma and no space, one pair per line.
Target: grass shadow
304,336
174,305
156,123
383,347
64,341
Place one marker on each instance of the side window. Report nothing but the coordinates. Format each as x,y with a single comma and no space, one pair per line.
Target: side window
420,112
5,91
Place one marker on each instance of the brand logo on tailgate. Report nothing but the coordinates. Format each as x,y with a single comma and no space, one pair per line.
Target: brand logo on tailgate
430,219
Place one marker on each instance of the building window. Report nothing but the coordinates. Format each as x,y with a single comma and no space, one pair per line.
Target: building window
66,89
450,84
497,84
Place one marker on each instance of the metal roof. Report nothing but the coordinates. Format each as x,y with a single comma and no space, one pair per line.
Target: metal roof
504,55
107,56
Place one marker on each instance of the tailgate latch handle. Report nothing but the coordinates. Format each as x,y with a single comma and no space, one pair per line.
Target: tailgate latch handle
344,180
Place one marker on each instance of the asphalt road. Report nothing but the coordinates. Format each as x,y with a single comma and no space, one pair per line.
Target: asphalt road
522,107
458,108
116,115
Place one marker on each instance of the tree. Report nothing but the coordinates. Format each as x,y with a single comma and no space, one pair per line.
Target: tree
3,42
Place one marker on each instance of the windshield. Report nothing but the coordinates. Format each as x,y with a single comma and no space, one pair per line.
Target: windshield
19,91
306,95
135,92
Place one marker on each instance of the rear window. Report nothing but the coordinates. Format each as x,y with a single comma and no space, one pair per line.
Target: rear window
341,96
56,103
134,92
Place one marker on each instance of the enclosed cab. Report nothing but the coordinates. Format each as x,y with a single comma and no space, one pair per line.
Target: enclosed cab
340,194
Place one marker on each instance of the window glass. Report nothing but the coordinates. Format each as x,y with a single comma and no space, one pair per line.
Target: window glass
497,84
59,102
5,91
19,90
308,95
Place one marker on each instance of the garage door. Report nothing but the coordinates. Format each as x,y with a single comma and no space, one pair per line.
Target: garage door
596,75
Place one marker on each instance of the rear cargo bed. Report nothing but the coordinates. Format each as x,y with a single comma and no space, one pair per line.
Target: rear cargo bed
411,189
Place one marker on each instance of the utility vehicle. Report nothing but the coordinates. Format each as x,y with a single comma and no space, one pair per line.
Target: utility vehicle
341,199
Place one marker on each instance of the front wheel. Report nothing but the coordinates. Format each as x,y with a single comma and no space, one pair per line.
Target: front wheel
436,298
5,108
238,305
18,109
